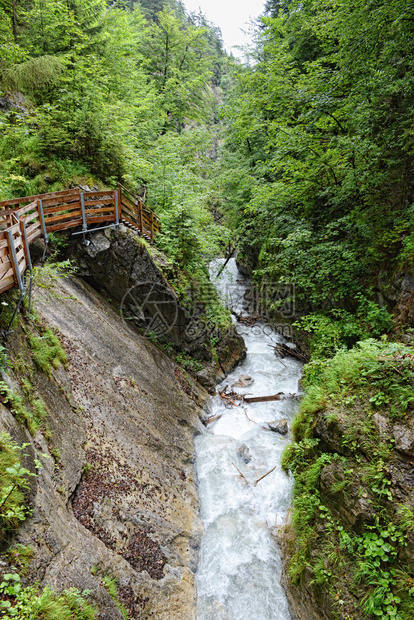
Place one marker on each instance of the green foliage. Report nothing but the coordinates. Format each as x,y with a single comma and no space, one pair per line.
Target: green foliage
111,585
14,482
406,518
337,329
47,351
189,363
319,134
20,557
365,560
23,413
27,603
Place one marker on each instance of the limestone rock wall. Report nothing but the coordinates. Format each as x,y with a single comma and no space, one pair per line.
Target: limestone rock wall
116,495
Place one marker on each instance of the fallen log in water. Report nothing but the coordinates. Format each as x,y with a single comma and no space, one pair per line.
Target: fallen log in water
282,350
263,399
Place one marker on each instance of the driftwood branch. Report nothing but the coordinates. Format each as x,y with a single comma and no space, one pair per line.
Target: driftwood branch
282,350
242,475
261,478
212,419
222,268
250,420
229,397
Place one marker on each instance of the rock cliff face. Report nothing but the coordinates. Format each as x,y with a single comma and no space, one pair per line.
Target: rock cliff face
116,495
118,263
397,292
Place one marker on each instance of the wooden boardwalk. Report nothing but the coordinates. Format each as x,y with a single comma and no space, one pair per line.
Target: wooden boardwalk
22,220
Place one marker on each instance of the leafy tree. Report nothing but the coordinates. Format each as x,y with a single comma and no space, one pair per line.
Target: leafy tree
322,120
180,70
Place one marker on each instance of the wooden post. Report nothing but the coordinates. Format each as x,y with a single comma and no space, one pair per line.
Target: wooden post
25,243
42,219
141,227
14,262
152,227
116,207
120,201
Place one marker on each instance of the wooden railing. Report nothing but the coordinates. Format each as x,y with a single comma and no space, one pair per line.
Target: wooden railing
23,220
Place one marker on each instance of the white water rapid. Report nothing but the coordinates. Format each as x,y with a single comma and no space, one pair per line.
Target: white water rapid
238,577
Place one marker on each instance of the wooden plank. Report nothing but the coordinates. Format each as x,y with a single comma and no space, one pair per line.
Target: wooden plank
102,201
33,226
64,216
10,205
27,208
101,218
31,219
61,208
7,283
129,203
4,269
34,236
15,228
130,212
109,193
65,225
50,195
62,203
109,210
20,254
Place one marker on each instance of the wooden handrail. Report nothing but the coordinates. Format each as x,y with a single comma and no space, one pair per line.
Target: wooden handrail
23,220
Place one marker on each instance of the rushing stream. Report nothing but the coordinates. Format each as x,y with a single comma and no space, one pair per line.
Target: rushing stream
238,576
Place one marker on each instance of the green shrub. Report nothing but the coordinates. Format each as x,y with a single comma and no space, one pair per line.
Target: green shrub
14,481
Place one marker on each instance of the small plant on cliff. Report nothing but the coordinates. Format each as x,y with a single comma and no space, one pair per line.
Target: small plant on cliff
47,351
14,481
20,556
111,585
47,275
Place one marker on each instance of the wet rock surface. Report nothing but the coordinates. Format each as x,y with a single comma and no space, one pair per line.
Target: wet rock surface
116,495
243,382
279,426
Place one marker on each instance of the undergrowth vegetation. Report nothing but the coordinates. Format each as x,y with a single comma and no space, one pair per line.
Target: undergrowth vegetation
14,483
353,526
28,603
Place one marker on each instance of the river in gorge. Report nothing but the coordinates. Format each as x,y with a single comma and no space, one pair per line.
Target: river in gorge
238,577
